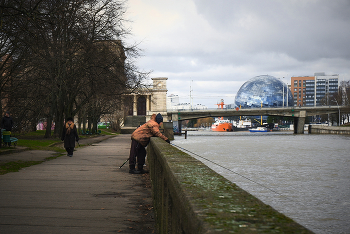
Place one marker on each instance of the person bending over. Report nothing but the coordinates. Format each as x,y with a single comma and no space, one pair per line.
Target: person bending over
140,139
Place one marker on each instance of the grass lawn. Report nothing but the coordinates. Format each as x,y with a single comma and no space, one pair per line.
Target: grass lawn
16,166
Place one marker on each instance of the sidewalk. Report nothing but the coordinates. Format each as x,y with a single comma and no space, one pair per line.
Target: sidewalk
86,193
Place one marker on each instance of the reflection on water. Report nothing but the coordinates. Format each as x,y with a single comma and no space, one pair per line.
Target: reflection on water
306,177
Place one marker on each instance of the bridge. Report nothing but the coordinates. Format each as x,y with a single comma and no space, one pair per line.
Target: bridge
299,113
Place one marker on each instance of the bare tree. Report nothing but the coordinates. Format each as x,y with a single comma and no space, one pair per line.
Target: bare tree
75,56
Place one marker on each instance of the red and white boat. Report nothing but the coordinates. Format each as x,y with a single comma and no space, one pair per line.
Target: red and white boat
222,125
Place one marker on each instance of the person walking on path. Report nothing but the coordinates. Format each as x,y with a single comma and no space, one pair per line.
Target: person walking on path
140,139
69,136
7,123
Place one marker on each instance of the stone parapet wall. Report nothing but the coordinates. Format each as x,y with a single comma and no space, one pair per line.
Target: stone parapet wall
189,197
317,129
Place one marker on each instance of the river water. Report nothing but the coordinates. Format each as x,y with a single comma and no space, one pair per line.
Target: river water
306,176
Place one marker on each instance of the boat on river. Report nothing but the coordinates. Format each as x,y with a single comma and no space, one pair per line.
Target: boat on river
258,129
242,125
221,124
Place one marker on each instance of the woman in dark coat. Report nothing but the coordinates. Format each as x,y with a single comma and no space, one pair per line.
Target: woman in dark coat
7,122
69,136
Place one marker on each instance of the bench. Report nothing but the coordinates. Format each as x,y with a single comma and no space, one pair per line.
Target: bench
7,139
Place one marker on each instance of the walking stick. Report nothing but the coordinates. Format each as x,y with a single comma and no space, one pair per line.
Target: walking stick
124,163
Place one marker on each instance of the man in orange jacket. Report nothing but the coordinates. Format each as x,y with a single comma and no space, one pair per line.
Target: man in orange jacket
140,139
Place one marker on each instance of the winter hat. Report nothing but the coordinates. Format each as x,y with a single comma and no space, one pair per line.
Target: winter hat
159,118
69,119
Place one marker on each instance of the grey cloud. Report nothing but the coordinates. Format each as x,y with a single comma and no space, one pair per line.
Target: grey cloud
306,30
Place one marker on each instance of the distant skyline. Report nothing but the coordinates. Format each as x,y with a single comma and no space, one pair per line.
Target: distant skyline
214,47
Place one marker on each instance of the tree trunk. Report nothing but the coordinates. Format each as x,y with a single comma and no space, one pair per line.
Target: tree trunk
34,123
48,127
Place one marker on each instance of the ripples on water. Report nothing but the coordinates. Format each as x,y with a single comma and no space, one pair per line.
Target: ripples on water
309,175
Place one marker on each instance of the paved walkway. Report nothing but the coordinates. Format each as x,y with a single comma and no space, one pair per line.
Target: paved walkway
86,193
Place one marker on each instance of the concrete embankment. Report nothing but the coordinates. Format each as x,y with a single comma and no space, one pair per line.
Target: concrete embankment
189,197
317,129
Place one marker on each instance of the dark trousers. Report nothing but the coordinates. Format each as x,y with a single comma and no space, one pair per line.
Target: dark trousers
137,151
70,150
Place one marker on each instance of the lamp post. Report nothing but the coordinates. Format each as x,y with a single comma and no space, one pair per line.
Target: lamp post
283,93
191,90
283,84
261,120
338,110
287,94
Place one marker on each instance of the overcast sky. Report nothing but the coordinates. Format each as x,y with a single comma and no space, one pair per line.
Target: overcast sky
216,46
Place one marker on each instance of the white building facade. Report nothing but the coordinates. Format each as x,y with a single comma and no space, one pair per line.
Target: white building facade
311,90
173,104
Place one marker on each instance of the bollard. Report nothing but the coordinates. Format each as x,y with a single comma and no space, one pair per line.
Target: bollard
168,130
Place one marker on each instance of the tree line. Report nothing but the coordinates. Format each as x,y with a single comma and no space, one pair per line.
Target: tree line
340,98
64,58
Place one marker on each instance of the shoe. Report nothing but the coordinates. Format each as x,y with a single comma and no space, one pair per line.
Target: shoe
143,171
70,155
133,171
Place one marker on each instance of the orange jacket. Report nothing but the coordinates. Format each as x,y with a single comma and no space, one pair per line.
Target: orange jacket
143,133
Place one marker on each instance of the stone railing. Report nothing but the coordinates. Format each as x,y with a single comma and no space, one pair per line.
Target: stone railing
191,198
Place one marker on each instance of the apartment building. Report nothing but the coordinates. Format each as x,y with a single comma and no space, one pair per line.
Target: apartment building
310,90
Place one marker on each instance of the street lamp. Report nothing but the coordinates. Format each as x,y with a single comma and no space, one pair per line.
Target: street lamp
338,110
283,84
287,94
283,93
